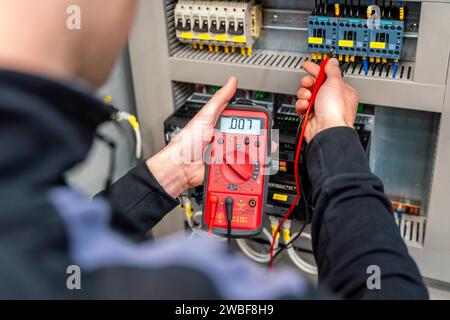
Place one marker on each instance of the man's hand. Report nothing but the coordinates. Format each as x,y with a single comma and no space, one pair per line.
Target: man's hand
336,103
180,165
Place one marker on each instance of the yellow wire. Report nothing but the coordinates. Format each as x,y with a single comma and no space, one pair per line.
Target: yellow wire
134,122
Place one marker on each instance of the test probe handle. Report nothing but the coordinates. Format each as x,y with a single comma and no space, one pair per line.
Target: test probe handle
213,200
321,78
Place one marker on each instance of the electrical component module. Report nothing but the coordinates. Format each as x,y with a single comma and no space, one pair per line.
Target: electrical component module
214,24
370,34
387,41
322,36
353,37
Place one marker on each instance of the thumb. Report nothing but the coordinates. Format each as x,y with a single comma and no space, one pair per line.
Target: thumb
332,69
219,101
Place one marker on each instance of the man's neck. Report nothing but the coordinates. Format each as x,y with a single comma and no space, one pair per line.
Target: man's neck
43,67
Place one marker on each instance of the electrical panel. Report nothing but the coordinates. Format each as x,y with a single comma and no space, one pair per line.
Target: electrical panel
394,53
216,24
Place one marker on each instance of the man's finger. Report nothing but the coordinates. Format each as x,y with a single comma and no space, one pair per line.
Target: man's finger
312,68
308,82
332,69
219,101
301,106
304,94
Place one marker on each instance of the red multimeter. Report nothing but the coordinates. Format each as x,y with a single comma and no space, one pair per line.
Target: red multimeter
236,180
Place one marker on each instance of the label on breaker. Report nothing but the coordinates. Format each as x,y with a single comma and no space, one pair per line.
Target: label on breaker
240,39
204,36
187,35
378,45
222,38
345,43
315,40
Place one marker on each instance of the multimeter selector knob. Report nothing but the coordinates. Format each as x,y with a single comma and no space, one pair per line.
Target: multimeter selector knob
237,168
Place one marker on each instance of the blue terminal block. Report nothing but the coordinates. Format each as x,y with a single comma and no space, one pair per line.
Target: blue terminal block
322,34
353,37
386,41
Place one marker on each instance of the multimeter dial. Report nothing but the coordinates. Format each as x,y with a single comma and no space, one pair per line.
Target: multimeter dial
237,168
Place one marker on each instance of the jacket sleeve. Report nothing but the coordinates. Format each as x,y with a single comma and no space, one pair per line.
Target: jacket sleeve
353,227
138,201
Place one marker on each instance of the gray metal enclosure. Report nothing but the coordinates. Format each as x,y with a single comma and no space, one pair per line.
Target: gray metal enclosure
417,101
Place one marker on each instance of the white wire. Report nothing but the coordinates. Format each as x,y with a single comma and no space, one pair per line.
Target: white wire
298,261
138,136
125,116
248,250
253,254
201,233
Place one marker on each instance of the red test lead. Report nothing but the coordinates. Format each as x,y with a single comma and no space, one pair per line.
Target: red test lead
319,82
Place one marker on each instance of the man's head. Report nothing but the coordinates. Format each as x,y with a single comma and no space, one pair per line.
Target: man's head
37,36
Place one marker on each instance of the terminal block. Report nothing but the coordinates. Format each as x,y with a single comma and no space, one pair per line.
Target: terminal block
229,25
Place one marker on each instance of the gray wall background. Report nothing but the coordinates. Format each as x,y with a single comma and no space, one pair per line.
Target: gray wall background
90,176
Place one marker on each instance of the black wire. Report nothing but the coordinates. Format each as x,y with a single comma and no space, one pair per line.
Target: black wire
307,221
268,243
229,212
390,10
229,235
303,250
289,244
112,160
303,198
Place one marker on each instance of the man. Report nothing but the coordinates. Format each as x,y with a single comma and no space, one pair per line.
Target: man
47,125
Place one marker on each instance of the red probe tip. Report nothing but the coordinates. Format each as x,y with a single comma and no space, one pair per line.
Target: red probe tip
213,200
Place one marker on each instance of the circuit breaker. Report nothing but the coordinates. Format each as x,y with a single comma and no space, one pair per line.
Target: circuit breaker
218,24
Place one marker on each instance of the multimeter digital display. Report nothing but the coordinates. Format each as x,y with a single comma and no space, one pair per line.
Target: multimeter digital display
237,125
236,179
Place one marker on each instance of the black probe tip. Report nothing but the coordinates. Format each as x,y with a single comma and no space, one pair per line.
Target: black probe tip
229,208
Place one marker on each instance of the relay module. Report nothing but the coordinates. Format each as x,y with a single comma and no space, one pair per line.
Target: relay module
372,35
